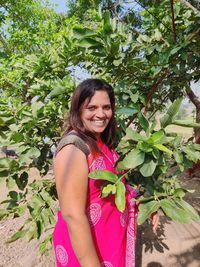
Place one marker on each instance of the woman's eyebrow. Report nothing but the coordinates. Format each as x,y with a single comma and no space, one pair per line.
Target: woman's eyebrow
91,105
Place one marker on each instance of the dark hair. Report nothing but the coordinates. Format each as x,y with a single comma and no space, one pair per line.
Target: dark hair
86,90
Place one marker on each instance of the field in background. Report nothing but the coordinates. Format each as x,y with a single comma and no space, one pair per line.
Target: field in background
185,132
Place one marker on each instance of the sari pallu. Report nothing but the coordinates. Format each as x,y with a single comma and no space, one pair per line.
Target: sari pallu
113,232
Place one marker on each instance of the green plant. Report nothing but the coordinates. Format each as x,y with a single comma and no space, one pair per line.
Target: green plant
152,160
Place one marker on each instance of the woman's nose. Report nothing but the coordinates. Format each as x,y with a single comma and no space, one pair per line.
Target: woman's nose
100,113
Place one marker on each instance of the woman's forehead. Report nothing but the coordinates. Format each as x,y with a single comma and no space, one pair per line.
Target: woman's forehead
100,97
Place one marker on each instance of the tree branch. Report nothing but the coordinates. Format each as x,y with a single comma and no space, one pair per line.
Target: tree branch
150,96
192,35
3,41
155,88
193,98
173,19
161,103
131,119
190,6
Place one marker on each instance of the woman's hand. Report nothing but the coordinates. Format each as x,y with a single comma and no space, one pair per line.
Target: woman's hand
155,221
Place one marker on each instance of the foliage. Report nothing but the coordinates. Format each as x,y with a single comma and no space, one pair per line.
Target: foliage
40,52
148,156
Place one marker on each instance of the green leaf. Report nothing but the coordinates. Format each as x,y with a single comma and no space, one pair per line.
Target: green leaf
88,43
157,35
133,135
108,189
157,137
10,182
156,153
32,232
20,210
43,245
148,167
143,38
117,62
146,209
175,50
13,195
192,154
36,108
189,209
17,137
178,156
132,160
173,211
2,123
145,147
17,235
134,97
120,199
7,164
28,155
107,27
83,32
143,121
186,123
179,192
22,180
163,148
3,213
104,175
171,113
126,111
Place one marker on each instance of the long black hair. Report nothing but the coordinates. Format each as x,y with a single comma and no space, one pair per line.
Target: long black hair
85,91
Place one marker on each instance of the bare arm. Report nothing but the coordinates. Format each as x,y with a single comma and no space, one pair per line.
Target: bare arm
71,173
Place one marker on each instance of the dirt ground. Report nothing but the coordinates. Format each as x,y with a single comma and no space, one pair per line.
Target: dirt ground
174,245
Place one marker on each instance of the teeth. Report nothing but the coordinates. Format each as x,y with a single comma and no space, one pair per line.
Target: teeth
99,122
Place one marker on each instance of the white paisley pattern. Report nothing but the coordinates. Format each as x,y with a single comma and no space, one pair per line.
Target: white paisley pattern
124,218
115,157
61,255
98,164
106,264
130,243
94,213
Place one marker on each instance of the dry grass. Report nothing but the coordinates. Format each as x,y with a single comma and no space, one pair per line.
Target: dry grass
184,131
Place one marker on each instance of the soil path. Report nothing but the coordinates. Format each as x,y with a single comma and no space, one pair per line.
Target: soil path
174,246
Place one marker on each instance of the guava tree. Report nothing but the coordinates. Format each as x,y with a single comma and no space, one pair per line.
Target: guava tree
146,66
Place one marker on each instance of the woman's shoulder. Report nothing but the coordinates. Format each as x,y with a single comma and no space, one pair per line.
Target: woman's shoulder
72,138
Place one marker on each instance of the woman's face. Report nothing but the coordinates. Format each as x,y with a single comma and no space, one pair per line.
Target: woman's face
96,113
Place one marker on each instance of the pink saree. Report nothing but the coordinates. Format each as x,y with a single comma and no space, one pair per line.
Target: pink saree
114,233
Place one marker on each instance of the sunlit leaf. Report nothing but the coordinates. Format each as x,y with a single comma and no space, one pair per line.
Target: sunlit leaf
104,175
163,148
189,209
120,199
146,209
174,212
148,167
132,160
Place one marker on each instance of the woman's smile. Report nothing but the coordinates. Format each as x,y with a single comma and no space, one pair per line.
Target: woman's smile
97,112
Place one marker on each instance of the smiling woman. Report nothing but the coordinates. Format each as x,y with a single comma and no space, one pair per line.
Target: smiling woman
93,112
96,113
91,231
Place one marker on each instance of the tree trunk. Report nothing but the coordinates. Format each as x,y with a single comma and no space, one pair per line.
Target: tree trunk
197,130
195,170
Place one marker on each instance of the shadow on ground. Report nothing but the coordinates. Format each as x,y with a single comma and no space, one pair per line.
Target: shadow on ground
148,241
186,258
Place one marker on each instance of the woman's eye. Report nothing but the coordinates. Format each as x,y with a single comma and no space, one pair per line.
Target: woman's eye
91,108
107,107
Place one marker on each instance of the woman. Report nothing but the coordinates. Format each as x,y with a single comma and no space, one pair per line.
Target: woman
91,231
